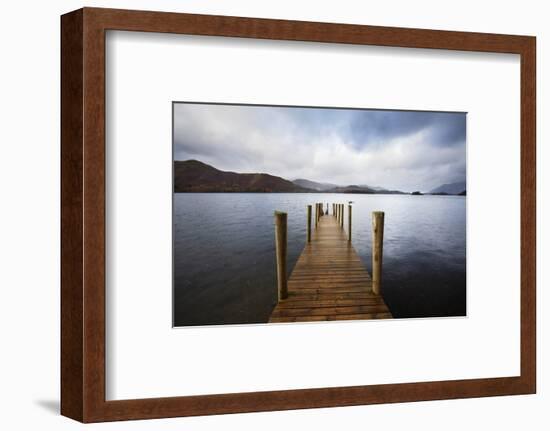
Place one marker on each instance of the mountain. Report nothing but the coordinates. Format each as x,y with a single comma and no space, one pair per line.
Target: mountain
451,188
383,191
352,189
195,176
333,188
375,188
313,185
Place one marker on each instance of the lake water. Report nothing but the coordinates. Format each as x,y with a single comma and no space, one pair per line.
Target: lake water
224,256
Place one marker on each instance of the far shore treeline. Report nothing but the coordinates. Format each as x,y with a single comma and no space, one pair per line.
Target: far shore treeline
193,176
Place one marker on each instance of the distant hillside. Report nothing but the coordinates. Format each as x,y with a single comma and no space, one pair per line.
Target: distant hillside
375,188
352,189
383,191
195,176
451,189
333,188
313,185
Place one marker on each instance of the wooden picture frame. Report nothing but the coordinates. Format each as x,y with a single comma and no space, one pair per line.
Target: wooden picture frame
83,214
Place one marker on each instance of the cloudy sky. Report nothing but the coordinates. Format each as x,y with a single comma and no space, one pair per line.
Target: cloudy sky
404,150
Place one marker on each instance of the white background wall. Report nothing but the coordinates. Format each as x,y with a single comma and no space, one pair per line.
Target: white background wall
29,215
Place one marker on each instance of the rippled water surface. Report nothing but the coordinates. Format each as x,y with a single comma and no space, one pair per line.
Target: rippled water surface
224,257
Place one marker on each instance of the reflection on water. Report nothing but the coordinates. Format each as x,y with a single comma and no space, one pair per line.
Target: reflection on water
224,257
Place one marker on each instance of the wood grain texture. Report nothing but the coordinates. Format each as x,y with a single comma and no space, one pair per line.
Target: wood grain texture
328,268
280,252
83,216
528,216
94,216
308,224
349,223
72,304
377,250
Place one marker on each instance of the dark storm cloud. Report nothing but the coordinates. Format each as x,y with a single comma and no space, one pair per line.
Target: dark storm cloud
377,127
406,150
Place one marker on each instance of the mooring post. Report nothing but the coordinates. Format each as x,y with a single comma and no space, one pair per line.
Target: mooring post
377,242
339,213
309,223
343,215
349,223
280,251
327,209
316,214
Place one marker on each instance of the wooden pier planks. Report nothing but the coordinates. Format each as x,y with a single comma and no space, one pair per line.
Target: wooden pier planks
329,282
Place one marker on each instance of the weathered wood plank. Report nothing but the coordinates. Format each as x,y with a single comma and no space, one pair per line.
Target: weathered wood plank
330,295
309,303
365,316
329,311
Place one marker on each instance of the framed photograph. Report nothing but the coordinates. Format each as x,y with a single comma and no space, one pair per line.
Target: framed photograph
267,215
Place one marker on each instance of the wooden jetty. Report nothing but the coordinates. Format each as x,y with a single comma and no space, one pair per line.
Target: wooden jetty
329,281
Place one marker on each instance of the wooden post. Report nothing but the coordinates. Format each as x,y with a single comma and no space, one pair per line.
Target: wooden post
342,215
327,209
280,251
377,242
309,223
349,223
316,214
